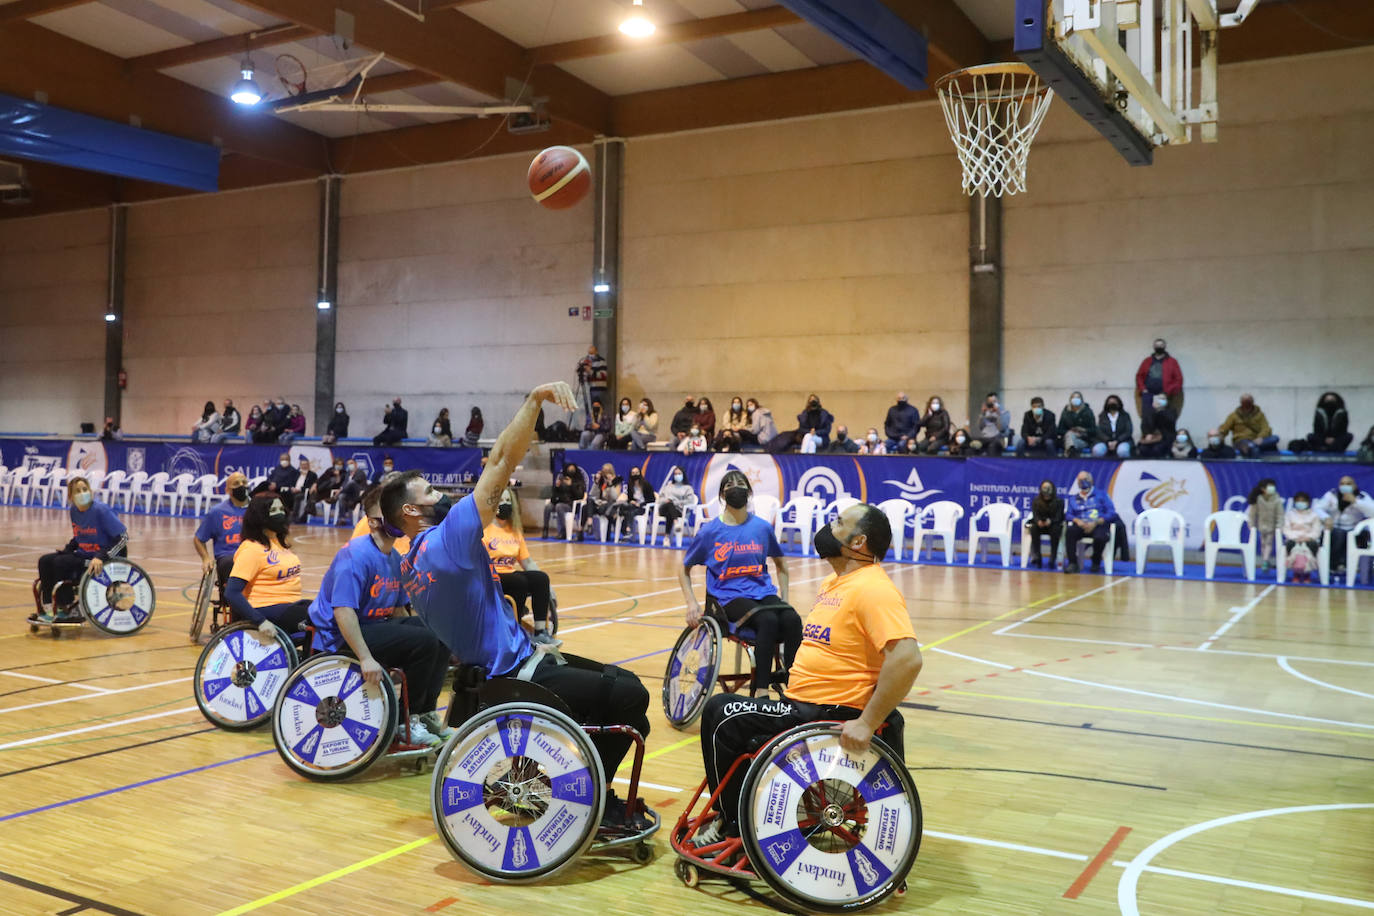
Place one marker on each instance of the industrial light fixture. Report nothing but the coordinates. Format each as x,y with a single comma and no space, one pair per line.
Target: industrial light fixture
324,305
109,316
246,91
637,25
599,282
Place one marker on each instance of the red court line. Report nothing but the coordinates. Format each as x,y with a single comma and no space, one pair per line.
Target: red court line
1096,864
436,907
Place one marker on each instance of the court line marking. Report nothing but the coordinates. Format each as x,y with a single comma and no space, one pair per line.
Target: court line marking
1101,588
1253,885
650,785
1150,645
999,844
1163,696
1283,663
978,626
1127,887
23,742
1086,876
1236,614
110,692
53,680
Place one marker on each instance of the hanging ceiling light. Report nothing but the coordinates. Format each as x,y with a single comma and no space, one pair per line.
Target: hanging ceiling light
246,91
637,25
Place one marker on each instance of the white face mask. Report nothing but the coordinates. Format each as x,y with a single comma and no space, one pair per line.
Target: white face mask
872,437
934,405
677,478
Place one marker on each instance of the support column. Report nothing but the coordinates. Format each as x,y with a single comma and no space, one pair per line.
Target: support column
114,313
984,300
608,175
327,301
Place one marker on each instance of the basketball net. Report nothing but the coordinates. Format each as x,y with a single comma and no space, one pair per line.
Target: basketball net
993,112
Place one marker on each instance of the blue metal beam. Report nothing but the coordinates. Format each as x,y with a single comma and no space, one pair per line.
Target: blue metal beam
872,31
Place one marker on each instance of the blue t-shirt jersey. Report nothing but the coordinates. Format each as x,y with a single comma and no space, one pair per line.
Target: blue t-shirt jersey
453,586
363,578
223,525
736,558
96,530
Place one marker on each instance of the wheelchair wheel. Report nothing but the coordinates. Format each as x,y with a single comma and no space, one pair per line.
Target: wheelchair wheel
329,724
691,674
827,830
238,678
119,601
202,606
517,794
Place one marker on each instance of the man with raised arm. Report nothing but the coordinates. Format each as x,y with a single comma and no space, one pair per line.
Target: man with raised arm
453,586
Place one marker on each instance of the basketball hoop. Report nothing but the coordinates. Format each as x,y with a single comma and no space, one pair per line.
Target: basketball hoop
994,112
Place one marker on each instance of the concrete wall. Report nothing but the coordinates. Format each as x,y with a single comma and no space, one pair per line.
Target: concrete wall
454,291
1253,257
53,276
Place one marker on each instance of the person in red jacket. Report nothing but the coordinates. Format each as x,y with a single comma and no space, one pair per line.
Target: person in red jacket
1159,373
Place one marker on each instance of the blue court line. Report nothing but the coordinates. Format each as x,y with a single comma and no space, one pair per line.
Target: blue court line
132,785
645,655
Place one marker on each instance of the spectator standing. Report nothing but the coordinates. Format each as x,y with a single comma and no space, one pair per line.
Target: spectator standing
645,429
762,429
230,422
338,425
1038,430
594,375
1183,447
1158,428
873,444
1344,508
936,427
1159,373
1046,518
1089,513
396,424
597,429
1330,427
901,424
734,423
1077,426
1265,515
682,420
1115,433
623,425
1302,536
1249,429
441,431
476,424
676,497
842,444
295,426
209,425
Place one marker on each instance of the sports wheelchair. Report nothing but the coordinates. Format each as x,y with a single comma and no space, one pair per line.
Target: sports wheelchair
693,670
518,793
827,830
120,601
209,603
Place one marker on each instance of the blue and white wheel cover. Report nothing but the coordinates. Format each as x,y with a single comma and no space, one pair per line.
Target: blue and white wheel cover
360,714
242,676
120,599
690,672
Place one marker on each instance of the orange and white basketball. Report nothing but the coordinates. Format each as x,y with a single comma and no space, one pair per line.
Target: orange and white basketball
559,177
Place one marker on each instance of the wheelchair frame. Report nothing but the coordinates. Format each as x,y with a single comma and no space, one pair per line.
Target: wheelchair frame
722,632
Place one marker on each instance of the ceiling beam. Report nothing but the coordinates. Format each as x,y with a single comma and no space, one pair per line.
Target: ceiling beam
953,41
27,9
229,46
674,33
81,78
1306,27
453,47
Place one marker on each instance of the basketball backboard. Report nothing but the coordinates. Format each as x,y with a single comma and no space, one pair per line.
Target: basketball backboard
1143,72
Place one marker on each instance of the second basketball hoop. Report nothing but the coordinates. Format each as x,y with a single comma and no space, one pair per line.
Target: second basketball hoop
993,112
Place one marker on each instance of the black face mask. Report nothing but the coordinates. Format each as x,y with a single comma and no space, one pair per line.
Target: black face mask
438,511
1159,351
239,493
812,405
277,523
737,497
828,546
503,511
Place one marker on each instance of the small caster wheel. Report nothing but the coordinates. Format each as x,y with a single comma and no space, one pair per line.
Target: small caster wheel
642,854
687,873
56,632
901,889
33,628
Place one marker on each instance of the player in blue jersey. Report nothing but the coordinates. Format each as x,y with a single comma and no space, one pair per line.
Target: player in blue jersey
97,535
361,604
222,529
735,547
453,586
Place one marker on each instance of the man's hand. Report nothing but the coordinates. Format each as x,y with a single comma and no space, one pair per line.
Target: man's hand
372,672
855,736
693,613
98,564
559,393
207,564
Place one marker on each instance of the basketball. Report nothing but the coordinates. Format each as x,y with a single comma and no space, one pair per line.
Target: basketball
559,177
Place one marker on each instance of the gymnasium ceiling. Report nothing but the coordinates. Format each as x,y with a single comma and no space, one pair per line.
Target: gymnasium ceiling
167,65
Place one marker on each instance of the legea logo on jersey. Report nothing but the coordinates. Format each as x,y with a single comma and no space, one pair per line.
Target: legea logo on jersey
912,488
761,470
1183,486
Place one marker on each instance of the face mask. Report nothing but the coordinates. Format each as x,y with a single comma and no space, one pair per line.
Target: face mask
959,439
503,511
1271,489
828,546
1047,492
284,463
1347,489
624,408
438,511
338,410
1076,402
277,522
695,431
737,407
737,497
82,500
388,468
934,405
813,404
352,468
1038,411
1301,507
1113,408
901,400
1085,485
1159,351
872,437
643,408
677,478
841,436
1181,437
1214,440
1161,403
239,493
338,467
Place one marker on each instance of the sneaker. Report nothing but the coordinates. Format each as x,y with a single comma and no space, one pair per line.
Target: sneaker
542,638
40,617
435,725
713,831
616,814
1070,568
421,735
1037,563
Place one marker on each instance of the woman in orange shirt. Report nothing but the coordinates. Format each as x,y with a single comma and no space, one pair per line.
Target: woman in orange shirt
265,583
521,577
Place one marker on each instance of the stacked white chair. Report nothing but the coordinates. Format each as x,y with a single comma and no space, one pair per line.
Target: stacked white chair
32,482
1354,554
157,491
832,511
203,491
939,519
1234,532
1159,526
53,489
182,491
899,514
6,481
111,487
699,515
804,510
95,478
137,481
766,507
1001,521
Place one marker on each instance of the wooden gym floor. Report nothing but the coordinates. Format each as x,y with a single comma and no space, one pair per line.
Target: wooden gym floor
1081,745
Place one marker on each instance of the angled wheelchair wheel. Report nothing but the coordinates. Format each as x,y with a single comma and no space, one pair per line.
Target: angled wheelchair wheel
827,830
119,601
691,674
328,723
238,678
517,794
202,606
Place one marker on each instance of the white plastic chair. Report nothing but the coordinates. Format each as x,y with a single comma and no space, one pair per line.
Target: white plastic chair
939,519
831,512
137,481
1232,528
157,491
182,491
202,490
6,481
1323,558
95,478
1159,526
110,488
1001,521
699,515
766,507
646,524
1028,532
899,513
804,510
1353,554
51,487
31,483
1085,545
